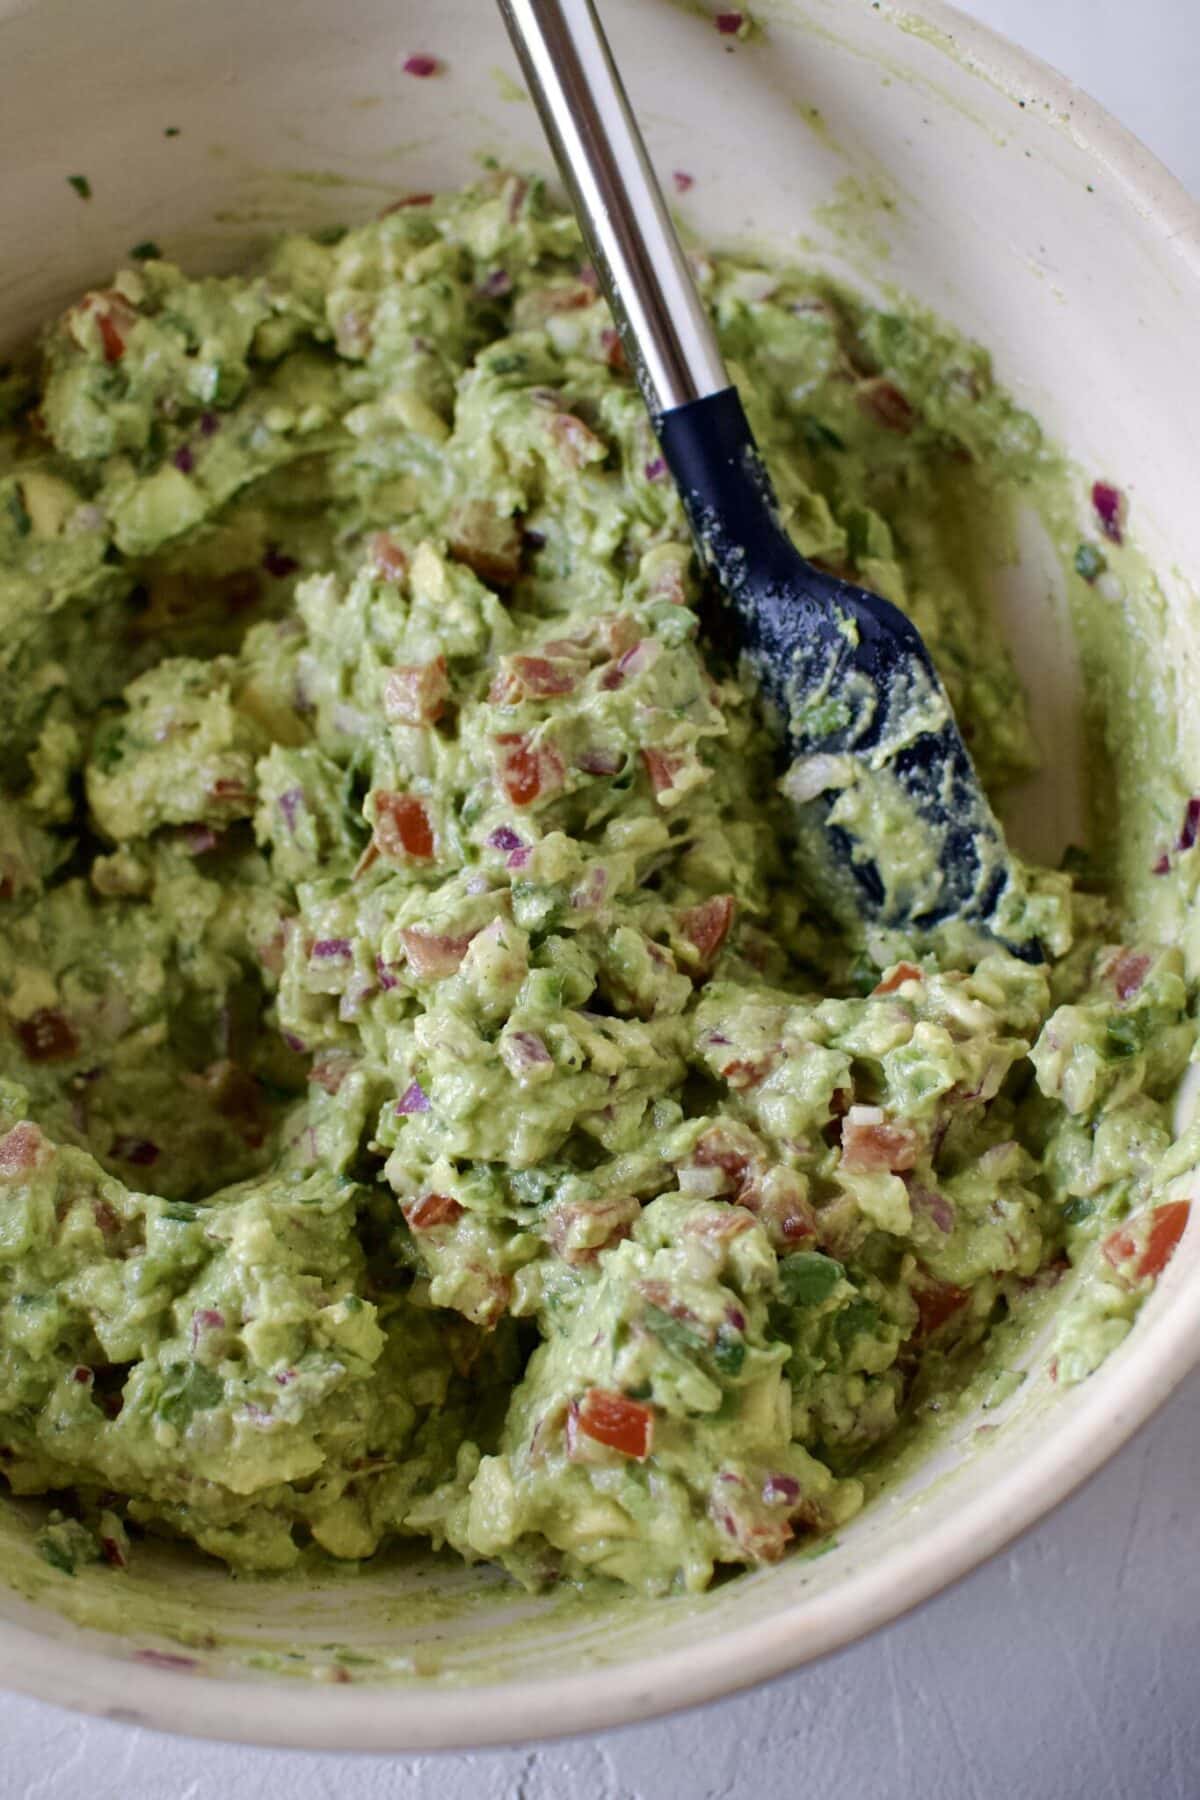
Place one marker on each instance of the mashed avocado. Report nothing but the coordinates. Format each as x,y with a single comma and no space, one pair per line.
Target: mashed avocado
429,1105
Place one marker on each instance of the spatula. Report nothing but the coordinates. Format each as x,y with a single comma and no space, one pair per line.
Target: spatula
894,827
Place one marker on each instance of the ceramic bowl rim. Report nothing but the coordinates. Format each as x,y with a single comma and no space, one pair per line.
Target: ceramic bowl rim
386,1719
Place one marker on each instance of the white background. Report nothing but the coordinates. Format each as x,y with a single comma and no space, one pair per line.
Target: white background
1068,1669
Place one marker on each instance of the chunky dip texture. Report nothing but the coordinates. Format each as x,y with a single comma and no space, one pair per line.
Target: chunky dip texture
429,1106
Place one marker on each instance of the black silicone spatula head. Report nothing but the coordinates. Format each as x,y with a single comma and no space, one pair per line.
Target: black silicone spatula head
894,825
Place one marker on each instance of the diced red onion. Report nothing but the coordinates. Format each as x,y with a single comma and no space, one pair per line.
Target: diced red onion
781,1490
496,285
729,23
655,469
414,1099
289,803
1191,824
387,980
634,661
504,838
1108,503
1162,866
183,459
524,1050
204,1320
421,66
517,859
591,890
209,424
294,1043
683,181
935,1205
333,949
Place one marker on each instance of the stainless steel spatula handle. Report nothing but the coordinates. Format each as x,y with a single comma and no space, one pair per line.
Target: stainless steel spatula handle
646,279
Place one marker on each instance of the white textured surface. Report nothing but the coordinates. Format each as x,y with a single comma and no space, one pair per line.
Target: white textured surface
1066,1668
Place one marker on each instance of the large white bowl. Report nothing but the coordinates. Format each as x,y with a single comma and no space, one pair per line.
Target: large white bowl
994,192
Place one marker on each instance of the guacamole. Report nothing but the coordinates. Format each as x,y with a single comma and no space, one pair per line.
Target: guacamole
430,1105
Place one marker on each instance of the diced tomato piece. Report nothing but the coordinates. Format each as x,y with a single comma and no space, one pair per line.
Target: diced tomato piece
873,1142
528,771
720,1224
566,297
937,1302
431,1210
387,557
402,827
795,1225
896,978
532,678
1167,1226
22,1149
607,1418
613,349
707,925
433,955
1147,1257
662,766
715,1149
114,317
759,1530
1127,970
416,693
232,795
1119,1247
885,405
487,542
110,337
618,632
576,444
579,1230
47,1036
658,1293
746,1071
667,583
